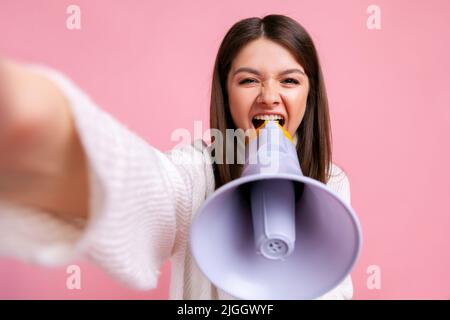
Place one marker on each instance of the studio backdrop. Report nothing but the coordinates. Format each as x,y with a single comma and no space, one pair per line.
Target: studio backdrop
386,67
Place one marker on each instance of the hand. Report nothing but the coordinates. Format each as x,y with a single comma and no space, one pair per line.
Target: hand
42,162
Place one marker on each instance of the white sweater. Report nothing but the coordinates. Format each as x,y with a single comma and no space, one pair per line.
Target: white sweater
142,203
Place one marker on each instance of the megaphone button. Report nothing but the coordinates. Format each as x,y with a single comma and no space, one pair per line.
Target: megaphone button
274,249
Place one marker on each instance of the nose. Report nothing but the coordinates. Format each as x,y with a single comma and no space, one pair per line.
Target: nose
269,95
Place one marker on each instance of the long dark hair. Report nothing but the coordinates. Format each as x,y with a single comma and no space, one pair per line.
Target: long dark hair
314,133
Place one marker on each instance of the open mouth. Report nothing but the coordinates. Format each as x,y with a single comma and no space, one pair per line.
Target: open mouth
258,120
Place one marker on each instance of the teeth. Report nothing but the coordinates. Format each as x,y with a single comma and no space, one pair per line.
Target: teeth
267,117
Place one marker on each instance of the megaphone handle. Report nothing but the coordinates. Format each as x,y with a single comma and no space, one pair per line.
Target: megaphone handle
273,214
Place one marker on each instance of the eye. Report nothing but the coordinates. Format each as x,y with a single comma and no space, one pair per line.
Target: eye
248,80
293,81
288,80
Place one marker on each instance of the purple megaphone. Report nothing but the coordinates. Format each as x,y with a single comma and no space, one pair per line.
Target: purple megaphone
274,233
273,152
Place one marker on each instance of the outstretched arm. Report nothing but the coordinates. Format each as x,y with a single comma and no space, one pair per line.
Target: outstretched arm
140,200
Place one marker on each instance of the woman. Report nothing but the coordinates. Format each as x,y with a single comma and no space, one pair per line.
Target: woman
88,186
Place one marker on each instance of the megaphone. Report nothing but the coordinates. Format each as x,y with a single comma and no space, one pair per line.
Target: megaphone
274,233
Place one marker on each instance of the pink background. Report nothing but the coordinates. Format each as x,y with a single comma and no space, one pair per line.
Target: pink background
149,63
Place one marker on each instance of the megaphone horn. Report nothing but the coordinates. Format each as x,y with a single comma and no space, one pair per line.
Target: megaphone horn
257,237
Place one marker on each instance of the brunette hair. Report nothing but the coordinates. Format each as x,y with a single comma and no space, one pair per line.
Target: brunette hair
314,133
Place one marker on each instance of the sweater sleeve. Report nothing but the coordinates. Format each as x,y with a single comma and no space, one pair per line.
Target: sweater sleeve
137,195
339,183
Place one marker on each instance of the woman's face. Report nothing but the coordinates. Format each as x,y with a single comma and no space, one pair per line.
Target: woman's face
266,79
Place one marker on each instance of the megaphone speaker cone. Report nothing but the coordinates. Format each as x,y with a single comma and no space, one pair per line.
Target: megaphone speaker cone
254,238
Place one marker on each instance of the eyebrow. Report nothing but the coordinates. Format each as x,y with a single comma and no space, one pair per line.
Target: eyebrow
250,70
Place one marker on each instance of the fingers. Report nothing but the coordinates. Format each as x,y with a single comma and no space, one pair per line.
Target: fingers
35,124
